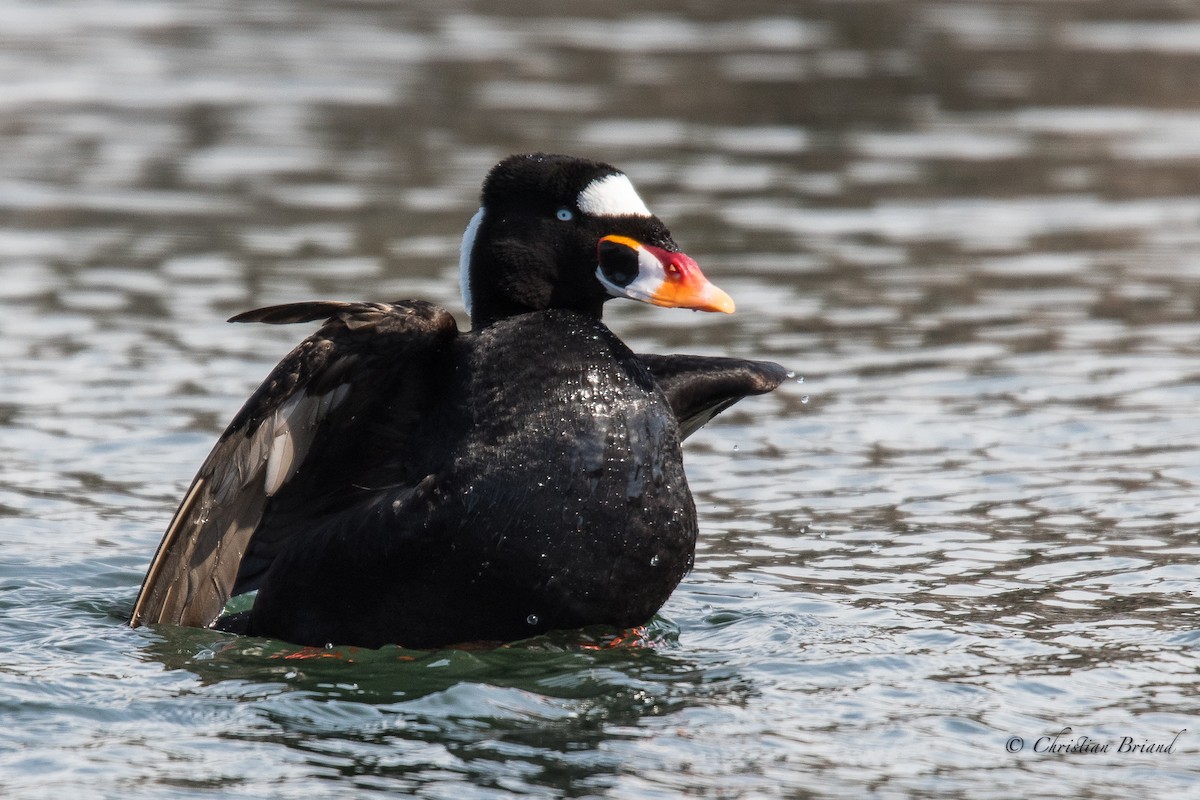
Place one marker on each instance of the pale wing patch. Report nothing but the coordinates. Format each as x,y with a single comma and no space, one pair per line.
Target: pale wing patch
281,460
612,196
291,432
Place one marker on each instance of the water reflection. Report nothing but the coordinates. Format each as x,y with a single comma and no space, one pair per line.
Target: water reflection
539,713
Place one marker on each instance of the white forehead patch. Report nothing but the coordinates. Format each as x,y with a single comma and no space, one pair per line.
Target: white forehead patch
612,196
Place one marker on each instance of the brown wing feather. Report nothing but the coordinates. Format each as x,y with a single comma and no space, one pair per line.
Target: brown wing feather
194,572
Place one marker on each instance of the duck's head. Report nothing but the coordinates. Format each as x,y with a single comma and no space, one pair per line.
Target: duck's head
561,232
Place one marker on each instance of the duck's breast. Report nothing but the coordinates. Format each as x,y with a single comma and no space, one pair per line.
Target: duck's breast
571,478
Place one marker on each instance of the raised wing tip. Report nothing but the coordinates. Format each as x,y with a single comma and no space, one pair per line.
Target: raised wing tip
289,313
354,315
768,375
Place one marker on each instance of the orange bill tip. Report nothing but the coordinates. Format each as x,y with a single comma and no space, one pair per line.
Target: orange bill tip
656,275
684,285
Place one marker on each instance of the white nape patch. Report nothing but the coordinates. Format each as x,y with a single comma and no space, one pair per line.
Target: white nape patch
464,258
612,196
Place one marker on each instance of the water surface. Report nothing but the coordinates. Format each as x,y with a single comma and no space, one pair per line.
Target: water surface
972,229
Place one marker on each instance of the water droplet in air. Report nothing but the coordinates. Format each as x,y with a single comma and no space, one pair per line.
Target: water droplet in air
792,374
532,619
804,399
875,548
735,448
800,379
654,561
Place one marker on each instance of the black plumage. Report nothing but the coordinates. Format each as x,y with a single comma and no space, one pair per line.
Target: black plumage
397,481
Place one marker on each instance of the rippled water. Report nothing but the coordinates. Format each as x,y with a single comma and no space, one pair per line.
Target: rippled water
973,228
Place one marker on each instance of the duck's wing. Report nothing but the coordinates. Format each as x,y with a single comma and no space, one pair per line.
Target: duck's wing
364,354
700,387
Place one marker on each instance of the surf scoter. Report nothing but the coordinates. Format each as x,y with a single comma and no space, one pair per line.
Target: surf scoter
395,480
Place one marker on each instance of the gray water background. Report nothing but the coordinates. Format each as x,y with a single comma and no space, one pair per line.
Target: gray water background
971,228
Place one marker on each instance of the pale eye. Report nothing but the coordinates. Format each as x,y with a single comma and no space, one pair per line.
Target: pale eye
565,214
